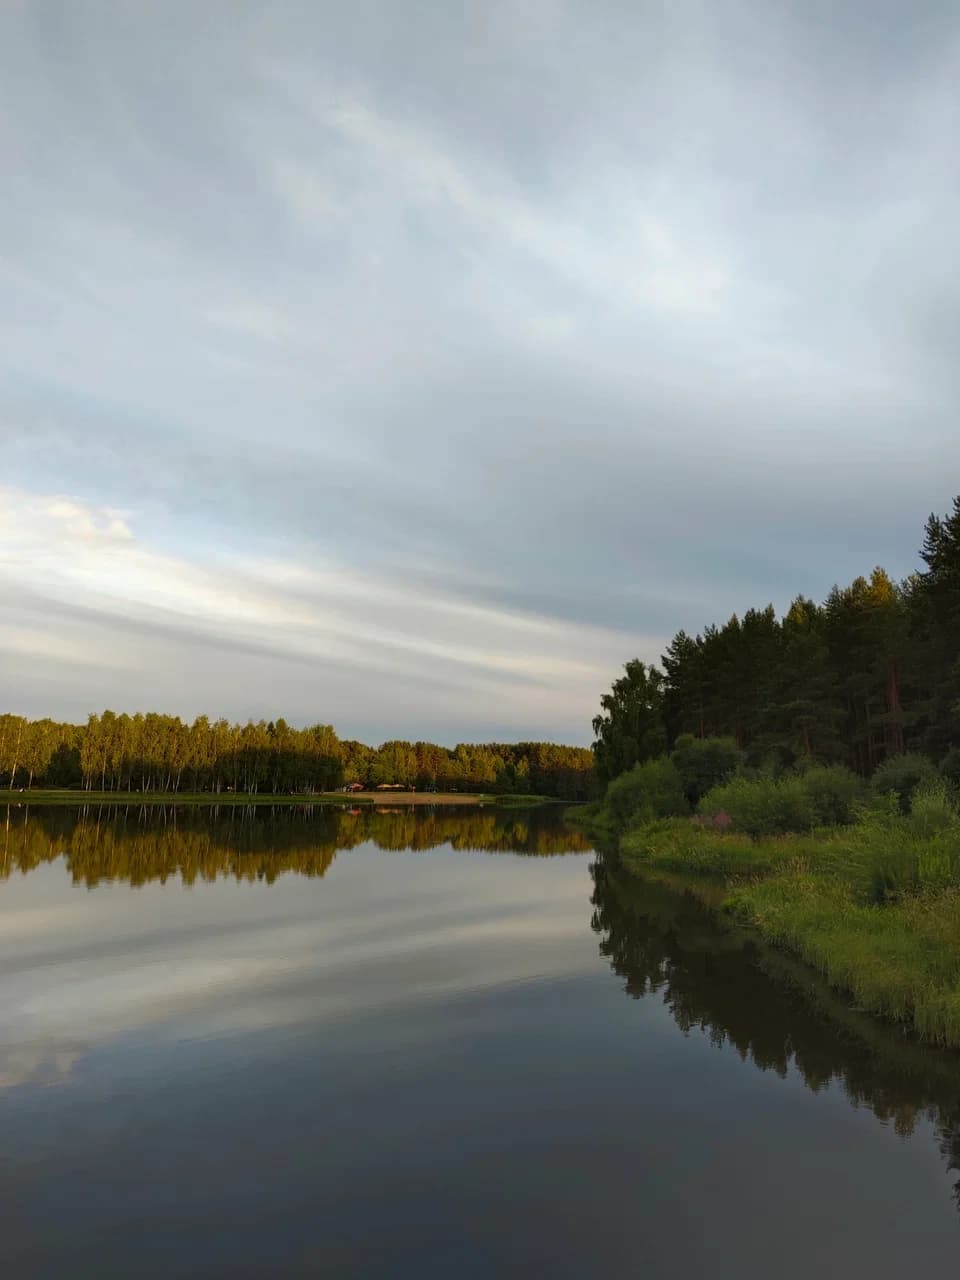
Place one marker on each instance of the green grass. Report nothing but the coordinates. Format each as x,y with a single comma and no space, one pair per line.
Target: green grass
874,907
517,801
594,820
900,959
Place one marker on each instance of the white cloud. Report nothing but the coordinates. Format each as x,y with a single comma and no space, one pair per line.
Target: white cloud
616,243
78,557
592,305
87,969
254,318
312,199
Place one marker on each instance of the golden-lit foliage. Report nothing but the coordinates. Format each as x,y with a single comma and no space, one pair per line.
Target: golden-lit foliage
158,753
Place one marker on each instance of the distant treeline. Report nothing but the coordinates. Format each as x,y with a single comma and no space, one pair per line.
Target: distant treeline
141,844
871,673
153,752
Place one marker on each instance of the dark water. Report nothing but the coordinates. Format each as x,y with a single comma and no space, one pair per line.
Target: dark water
417,1045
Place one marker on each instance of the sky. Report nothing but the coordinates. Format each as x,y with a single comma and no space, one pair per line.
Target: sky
412,367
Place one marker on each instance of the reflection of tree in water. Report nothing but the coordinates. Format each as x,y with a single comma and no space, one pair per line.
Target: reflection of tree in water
530,831
775,1011
139,844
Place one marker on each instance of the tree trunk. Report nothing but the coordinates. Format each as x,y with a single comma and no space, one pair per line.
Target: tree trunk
16,754
895,707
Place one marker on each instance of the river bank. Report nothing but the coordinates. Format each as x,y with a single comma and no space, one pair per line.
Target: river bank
374,798
763,998
873,904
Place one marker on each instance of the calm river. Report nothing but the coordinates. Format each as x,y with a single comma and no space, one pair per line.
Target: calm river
447,1044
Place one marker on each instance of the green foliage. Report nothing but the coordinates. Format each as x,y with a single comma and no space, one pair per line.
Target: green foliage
649,790
874,906
950,768
762,806
704,763
900,960
935,612
902,775
933,809
870,674
585,814
682,845
862,882
835,793
630,727
161,754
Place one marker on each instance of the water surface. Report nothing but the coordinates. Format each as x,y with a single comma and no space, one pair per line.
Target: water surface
432,1044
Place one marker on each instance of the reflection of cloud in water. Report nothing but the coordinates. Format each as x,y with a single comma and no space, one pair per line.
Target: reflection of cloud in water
37,1062
224,960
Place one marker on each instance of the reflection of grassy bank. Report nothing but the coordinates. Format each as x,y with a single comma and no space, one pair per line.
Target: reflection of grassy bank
714,975
874,905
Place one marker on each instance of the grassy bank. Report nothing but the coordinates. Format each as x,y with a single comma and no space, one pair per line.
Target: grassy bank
74,797
872,902
875,910
662,932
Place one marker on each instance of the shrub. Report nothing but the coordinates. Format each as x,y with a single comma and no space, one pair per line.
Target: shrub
932,809
588,812
647,791
704,763
764,806
950,767
834,792
903,775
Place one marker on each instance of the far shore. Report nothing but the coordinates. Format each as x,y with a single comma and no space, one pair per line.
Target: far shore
387,799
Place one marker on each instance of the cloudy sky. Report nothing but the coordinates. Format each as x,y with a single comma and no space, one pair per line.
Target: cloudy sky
412,366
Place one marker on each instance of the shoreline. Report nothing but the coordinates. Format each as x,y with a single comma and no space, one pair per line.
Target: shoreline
366,799
895,959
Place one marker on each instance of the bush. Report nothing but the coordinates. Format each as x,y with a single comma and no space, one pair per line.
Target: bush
834,792
678,845
950,767
932,809
704,763
902,775
649,790
764,806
